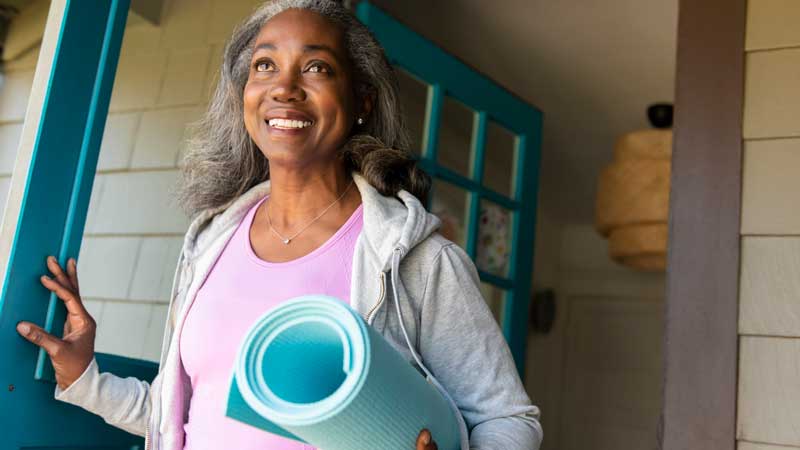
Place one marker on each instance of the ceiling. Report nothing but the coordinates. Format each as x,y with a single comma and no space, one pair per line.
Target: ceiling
592,66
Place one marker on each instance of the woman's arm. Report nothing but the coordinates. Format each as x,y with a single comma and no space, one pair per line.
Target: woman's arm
121,402
124,403
463,346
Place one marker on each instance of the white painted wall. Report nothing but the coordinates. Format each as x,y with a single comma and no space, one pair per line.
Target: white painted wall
769,310
597,374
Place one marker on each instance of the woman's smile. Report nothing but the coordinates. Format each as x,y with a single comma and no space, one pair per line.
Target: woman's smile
287,122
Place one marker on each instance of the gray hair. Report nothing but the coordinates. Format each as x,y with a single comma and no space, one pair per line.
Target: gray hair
221,161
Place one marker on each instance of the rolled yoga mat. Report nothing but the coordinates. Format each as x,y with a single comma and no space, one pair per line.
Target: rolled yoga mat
312,370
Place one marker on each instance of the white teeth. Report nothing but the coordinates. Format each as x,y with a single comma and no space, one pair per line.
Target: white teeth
285,123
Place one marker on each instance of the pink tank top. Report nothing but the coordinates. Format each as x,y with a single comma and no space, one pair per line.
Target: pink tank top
240,287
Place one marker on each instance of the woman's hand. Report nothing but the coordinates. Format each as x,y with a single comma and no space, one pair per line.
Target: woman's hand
425,441
73,353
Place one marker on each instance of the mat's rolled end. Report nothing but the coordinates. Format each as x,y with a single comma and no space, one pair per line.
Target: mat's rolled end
238,409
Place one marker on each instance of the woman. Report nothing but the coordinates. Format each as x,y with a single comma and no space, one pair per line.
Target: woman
296,186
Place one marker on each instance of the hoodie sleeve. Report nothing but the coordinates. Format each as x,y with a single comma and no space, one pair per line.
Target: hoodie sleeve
463,346
121,402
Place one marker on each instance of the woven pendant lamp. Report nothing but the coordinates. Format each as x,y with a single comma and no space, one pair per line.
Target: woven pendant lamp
633,195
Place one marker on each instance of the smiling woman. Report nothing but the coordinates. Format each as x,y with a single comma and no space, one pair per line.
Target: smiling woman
299,181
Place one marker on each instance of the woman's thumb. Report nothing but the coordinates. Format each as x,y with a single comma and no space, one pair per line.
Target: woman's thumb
38,336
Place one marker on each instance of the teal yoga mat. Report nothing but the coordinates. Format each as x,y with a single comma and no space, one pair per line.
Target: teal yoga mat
312,370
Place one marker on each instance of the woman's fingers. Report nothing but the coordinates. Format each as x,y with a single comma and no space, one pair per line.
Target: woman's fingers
59,274
35,334
71,300
72,271
425,441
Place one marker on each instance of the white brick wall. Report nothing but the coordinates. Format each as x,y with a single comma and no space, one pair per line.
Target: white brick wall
136,202
152,276
164,79
163,82
769,317
100,279
118,139
160,137
185,77
122,328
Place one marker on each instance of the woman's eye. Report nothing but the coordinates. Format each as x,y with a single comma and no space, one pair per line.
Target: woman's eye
319,68
264,66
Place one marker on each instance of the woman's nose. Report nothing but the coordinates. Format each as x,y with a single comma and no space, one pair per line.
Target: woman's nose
287,89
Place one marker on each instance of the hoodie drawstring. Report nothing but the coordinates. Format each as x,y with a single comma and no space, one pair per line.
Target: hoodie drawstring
397,254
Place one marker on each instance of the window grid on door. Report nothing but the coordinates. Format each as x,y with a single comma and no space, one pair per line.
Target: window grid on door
448,78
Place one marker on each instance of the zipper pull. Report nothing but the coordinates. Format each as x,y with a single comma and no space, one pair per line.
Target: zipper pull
382,295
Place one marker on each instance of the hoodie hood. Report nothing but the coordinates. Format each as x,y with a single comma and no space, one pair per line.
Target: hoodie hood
398,224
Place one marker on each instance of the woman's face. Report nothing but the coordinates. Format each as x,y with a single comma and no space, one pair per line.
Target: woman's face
299,101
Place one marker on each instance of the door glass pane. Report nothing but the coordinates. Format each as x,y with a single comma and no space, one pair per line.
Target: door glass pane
493,252
456,125
414,101
495,298
500,157
450,203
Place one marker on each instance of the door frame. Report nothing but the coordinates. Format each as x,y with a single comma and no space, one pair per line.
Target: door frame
702,297
45,214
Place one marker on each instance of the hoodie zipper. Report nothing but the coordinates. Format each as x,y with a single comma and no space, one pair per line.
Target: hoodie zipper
148,439
181,269
374,308
153,437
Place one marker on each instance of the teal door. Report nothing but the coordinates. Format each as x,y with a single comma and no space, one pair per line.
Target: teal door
481,145
45,215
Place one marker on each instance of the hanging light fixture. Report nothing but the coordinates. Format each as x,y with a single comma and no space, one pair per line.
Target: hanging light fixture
633,194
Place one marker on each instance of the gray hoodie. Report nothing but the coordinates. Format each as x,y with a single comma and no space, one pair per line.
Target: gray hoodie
447,329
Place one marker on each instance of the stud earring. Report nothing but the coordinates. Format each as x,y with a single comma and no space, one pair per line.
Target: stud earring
360,121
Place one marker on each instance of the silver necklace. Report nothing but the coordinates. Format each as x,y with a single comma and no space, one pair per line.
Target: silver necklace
286,240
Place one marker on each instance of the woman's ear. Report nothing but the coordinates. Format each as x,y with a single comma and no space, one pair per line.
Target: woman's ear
366,104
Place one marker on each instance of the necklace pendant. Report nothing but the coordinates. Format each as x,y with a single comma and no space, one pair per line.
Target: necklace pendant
287,240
